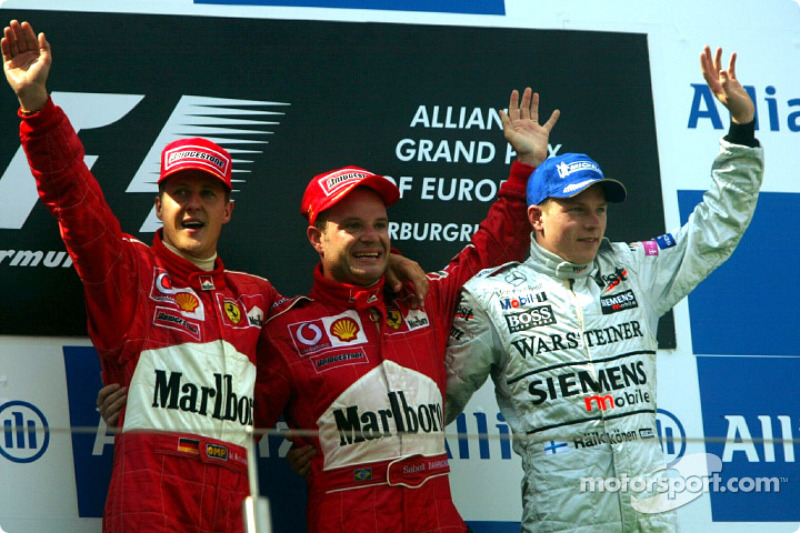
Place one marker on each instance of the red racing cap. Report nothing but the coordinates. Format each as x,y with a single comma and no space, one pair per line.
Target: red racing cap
196,154
325,190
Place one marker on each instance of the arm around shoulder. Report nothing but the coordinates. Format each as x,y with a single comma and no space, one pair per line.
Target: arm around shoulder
472,352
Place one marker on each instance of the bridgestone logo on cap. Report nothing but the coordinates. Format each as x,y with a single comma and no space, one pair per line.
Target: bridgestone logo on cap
219,164
333,183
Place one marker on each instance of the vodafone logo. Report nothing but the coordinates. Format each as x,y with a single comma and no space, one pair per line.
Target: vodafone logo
309,334
309,337
163,284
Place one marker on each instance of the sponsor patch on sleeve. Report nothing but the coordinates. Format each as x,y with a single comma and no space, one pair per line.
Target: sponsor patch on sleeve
665,241
650,247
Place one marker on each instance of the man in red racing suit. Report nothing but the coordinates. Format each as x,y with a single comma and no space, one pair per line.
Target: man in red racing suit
359,372
169,322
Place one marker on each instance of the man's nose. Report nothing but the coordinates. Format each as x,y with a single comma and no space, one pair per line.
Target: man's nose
370,233
592,219
192,201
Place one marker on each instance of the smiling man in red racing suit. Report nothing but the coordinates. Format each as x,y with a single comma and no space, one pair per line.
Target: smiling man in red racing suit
361,370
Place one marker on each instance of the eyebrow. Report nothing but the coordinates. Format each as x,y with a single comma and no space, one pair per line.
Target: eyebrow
206,185
576,202
357,218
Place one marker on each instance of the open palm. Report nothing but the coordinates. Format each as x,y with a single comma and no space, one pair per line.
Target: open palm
522,130
26,63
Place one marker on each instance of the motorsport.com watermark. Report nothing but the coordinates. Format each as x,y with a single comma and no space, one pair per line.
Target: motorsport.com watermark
683,482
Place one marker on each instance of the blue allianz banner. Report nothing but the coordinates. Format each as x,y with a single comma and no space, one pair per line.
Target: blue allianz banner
748,306
751,409
93,453
748,357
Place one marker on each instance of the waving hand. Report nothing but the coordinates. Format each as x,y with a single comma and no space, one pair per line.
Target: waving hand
522,129
26,63
725,86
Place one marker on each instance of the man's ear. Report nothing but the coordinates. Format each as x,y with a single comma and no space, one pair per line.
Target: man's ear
535,217
158,208
314,235
228,212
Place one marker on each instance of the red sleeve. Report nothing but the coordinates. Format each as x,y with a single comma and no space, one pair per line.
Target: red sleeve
503,236
101,253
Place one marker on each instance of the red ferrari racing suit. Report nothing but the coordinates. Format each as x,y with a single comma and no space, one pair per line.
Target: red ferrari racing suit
183,340
365,371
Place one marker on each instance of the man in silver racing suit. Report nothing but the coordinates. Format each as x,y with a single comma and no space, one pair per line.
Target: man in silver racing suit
569,336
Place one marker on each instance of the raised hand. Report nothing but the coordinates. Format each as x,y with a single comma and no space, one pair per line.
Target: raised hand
26,63
522,129
725,86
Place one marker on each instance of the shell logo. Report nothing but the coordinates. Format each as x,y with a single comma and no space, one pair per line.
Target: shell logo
345,329
187,301
233,311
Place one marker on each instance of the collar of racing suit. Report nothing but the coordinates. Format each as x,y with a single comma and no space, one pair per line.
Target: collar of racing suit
185,271
553,265
346,295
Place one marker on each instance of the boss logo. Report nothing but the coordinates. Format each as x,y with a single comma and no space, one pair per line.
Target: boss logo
530,318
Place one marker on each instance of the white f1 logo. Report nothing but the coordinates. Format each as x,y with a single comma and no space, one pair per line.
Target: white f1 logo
86,111
216,119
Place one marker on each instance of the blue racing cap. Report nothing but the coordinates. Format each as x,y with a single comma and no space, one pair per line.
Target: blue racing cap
568,175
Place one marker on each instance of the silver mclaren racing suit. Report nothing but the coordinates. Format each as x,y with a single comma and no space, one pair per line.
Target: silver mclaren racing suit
571,350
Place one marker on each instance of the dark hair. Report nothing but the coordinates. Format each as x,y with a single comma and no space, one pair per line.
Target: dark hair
322,220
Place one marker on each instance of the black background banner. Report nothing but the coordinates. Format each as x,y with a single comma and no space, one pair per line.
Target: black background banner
350,94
